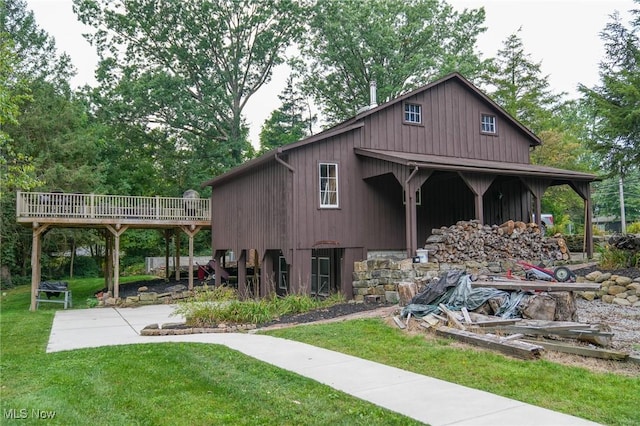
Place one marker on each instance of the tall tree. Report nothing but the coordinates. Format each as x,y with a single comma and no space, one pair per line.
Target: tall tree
616,100
189,67
36,53
400,44
289,123
519,86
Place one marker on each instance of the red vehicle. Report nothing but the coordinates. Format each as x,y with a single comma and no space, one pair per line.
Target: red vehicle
561,273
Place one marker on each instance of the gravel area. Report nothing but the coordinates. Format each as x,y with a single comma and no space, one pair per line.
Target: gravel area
624,322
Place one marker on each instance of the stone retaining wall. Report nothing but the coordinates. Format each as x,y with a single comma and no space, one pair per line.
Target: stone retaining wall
379,278
615,289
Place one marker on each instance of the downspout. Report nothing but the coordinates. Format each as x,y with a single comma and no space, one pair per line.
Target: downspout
409,211
294,210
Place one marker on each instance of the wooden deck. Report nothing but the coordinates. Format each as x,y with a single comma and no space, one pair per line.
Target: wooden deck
114,213
83,210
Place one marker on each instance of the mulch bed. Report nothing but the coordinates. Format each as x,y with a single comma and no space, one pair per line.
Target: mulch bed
160,286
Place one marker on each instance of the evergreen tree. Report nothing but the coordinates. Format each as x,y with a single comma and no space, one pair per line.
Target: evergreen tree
286,124
519,87
615,101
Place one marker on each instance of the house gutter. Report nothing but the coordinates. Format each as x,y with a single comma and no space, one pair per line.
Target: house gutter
410,211
294,210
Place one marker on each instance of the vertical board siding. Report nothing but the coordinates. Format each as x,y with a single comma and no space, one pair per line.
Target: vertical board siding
251,211
363,209
451,118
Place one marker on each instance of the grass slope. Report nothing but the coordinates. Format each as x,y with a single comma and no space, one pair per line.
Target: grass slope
604,398
155,384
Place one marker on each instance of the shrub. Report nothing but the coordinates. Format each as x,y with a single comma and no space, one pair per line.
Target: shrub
219,304
614,258
634,228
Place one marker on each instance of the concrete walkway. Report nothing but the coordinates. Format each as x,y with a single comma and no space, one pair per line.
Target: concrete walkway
423,398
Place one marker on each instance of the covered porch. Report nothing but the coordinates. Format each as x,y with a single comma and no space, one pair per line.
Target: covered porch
437,191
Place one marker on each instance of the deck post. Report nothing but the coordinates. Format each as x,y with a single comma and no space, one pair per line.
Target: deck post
191,231
167,237
116,232
36,250
176,259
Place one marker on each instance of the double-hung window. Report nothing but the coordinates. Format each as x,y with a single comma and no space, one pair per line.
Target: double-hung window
412,113
488,124
328,180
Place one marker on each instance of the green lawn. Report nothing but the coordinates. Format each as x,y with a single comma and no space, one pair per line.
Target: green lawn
154,384
604,398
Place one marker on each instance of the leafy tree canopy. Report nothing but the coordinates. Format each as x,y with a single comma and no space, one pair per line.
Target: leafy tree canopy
400,44
189,67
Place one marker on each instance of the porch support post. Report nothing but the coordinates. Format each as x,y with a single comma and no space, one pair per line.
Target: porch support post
583,189
242,274
478,184
116,231
410,187
350,256
217,255
36,252
191,232
537,188
300,280
266,274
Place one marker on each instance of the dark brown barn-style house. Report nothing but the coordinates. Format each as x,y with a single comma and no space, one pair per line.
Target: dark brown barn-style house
380,182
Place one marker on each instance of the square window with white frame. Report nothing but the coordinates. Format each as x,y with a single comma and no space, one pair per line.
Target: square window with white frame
328,180
488,124
412,113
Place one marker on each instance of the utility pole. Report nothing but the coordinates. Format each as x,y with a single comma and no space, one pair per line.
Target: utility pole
623,220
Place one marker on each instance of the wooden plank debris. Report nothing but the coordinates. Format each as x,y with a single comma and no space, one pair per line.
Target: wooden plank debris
451,317
399,323
537,285
466,316
591,333
580,350
516,348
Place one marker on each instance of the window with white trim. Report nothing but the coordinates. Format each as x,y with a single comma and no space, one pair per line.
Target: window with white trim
328,179
412,113
488,123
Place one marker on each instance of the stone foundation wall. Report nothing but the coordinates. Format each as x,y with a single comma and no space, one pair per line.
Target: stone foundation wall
379,278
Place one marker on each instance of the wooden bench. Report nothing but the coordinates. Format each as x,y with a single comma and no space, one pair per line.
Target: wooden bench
43,296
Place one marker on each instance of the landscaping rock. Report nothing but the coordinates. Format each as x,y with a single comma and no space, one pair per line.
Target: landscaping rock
593,276
621,302
623,281
616,289
176,288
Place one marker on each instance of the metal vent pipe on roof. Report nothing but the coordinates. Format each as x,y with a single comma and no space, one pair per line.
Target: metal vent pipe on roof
373,96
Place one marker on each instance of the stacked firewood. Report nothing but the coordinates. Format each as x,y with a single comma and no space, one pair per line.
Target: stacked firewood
472,241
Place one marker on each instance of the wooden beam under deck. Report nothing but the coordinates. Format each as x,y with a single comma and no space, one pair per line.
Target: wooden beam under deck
42,211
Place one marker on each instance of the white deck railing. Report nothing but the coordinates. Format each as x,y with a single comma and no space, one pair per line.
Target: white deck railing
94,206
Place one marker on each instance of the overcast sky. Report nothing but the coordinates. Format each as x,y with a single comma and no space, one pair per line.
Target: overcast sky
561,34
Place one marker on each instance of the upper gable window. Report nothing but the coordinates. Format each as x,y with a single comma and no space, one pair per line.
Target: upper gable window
488,124
412,113
328,185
